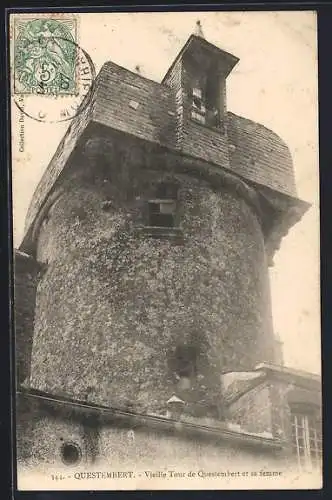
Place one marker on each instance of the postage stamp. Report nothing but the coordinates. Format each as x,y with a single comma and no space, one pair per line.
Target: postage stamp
45,55
52,75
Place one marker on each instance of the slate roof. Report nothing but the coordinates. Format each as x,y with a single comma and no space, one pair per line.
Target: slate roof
195,43
260,155
119,89
130,103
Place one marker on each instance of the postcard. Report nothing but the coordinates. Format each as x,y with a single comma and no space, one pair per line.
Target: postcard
166,250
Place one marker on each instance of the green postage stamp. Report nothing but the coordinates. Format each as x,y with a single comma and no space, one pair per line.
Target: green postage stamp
45,52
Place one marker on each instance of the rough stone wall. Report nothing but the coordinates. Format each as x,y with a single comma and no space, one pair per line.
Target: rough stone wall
114,304
25,415
40,434
150,449
58,162
267,408
121,446
280,412
287,396
25,283
253,410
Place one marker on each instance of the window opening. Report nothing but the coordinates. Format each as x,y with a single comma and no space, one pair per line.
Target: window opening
162,210
161,213
206,99
185,361
306,439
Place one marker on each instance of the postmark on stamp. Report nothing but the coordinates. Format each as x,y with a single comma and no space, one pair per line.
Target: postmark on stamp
52,76
45,56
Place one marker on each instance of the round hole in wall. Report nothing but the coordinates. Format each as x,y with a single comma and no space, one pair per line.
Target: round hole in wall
70,453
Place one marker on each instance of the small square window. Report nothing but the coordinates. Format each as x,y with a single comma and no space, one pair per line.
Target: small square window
162,213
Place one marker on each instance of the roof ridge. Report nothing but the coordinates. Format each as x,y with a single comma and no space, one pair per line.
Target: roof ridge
137,75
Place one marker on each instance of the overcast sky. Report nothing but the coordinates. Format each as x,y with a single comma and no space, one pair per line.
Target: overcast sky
275,83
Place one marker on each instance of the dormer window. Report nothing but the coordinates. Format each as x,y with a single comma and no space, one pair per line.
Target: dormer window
198,78
206,99
198,111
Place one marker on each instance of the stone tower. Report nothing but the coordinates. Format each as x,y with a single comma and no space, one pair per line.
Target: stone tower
155,224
